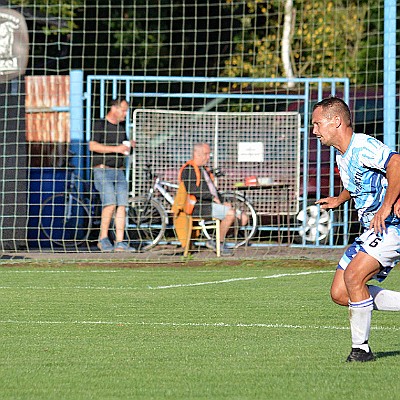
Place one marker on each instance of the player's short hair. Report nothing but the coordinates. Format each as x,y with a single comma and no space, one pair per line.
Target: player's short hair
335,106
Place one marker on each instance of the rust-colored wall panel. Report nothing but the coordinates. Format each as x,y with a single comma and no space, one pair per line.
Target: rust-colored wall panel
43,94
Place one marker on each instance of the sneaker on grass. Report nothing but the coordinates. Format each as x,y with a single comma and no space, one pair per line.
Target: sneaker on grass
105,245
360,355
225,250
124,247
210,244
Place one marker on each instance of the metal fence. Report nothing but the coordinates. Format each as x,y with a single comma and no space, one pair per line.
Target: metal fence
163,138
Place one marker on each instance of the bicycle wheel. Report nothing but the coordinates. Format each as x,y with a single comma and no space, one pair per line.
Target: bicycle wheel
147,222
65,220
237,235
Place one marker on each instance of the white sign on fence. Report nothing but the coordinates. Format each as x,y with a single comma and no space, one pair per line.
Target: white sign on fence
250,151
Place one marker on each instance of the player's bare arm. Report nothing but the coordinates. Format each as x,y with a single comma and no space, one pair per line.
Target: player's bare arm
328,203
392,194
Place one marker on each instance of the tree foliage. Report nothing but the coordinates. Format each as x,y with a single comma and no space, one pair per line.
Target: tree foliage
329,38
341,38
54,11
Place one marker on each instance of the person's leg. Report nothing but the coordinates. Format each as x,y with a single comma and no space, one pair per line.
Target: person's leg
359,271
351,274
339,293
121,193
103,181
371,256
384,249
107,214
384,300
243,218
120,216
227,216
226,223
121,190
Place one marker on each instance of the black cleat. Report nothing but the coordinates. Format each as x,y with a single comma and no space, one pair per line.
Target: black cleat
360,355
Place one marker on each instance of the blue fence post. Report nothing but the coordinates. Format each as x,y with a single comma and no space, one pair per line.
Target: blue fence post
389,69
76,120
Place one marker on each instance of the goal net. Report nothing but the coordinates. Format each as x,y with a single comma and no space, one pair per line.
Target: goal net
216,40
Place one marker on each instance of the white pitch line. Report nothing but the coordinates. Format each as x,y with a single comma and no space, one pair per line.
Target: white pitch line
66,288
238,279
56,271
196,324
160,287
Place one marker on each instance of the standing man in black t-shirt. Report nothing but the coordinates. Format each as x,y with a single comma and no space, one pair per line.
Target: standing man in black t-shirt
109,147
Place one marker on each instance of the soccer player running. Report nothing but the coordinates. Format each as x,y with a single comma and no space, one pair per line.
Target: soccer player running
370,173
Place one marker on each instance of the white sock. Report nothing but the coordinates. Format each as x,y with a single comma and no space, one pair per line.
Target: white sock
360,314
384,300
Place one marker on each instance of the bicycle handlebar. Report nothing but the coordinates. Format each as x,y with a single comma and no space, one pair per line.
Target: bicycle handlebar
217,172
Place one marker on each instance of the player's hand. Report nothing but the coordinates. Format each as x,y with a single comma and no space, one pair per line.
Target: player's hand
378,222
328,203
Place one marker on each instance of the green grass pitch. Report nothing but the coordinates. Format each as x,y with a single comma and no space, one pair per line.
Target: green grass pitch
258,330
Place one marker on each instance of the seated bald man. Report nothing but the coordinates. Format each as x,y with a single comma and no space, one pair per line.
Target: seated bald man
199,182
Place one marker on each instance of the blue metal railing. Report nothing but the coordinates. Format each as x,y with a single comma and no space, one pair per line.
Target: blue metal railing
115,83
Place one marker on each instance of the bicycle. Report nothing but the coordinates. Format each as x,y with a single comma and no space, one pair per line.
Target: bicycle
148,219
67,219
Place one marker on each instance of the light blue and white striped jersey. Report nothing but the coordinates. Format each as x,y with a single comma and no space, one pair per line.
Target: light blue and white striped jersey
362,170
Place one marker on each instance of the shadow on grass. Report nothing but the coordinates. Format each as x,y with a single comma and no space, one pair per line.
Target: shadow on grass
384,354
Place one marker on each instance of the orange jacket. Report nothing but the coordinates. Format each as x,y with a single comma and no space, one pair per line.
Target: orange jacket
196,170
